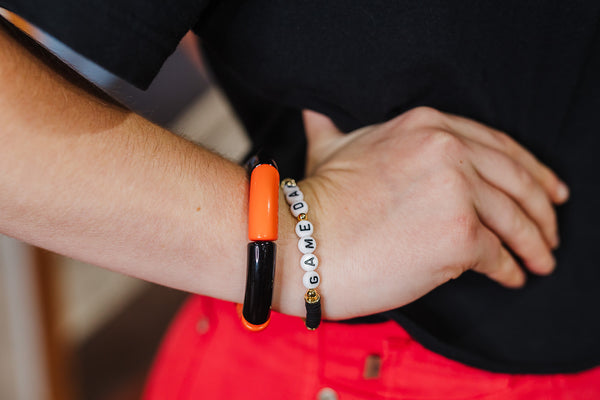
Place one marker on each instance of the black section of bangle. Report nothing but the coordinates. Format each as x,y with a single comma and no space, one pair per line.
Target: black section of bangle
258,159
259,282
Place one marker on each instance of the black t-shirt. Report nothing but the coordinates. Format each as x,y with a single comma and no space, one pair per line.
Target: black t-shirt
531,69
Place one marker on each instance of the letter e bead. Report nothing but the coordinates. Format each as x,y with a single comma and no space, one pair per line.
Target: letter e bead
304,228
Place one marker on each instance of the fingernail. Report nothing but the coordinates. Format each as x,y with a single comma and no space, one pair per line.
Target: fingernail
562,191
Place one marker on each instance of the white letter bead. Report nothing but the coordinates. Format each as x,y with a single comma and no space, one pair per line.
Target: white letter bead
309,262
307,245
299,208
294,196
289,189
311,280
304,228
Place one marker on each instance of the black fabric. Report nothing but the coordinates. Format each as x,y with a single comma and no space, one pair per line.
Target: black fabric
130,38
530,68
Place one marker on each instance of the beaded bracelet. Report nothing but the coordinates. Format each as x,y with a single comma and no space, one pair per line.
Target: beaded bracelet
307,245
263,211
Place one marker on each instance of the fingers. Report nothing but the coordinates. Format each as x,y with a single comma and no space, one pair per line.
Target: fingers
497,263
504,217
556,189
516,181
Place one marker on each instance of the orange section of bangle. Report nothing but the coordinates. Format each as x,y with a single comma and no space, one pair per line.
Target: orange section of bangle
248,325
255,328
263,205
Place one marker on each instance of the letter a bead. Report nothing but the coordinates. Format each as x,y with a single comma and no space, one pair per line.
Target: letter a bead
309,262
294,196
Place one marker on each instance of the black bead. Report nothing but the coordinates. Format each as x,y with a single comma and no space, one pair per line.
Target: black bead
313,314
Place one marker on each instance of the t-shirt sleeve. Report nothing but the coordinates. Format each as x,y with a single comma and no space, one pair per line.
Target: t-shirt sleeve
130,38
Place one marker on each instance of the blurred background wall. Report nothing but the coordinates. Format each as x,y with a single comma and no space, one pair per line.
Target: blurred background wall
74,331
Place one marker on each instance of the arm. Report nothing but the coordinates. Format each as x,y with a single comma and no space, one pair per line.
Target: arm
86,178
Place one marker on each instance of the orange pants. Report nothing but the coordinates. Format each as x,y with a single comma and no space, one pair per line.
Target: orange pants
208,355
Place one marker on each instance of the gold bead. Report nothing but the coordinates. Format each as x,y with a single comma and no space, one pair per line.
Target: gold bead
312,296
302,217
288,182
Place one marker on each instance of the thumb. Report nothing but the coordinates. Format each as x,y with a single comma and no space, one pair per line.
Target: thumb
321,135
320,130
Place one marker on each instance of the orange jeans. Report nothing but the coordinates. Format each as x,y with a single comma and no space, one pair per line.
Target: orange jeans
208,355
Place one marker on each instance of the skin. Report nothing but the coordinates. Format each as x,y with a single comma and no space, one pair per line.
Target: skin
418,200
439,194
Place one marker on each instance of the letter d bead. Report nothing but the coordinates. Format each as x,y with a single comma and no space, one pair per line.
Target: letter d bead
298,208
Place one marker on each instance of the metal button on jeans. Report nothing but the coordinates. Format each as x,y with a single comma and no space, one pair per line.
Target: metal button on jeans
203,325
327,394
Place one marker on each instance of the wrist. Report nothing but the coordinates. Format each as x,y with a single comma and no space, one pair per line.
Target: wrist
288,291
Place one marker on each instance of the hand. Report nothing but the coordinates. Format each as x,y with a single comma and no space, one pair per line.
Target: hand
402,207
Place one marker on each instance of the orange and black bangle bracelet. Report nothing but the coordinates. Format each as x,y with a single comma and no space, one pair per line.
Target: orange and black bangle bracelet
263,208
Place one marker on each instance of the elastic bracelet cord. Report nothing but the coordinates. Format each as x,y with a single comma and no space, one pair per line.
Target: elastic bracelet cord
263,208
307,245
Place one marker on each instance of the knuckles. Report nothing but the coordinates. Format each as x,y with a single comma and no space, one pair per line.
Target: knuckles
420,116
460,245
465,232
457,217
440,144
451,183
519,228
528,183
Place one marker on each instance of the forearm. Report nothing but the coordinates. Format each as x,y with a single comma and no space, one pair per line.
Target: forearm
98,183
